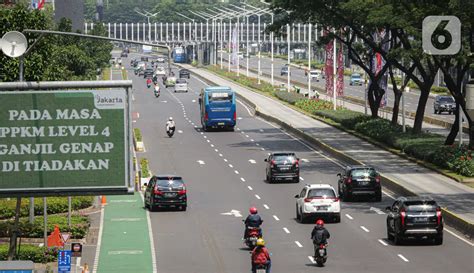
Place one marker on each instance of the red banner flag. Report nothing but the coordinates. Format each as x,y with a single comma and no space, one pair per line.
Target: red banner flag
329,68
340,73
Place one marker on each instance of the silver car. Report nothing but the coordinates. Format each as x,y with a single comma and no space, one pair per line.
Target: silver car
181,85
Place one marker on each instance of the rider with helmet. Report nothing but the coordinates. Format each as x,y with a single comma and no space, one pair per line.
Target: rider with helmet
261,256
170,124
319,235
253,220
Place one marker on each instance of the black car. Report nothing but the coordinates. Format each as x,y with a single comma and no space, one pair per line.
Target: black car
359,180
284,70
166,191
444,104
284,166
124,54
417,217
144,59
184,73
148,73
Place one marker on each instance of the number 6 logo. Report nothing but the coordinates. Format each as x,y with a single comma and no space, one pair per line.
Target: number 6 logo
441,35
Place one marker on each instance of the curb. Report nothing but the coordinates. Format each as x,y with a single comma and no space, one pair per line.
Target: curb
450,218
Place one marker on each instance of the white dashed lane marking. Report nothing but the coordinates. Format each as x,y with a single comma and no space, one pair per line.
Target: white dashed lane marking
350,217
252,161
257,196
230,165
364,229
286,230
236,172
243,179
276,218
383,242
201,162
403,258
298,244
250,188
266,206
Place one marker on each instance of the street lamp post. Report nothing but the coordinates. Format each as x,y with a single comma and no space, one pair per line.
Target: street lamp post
309,61
288,32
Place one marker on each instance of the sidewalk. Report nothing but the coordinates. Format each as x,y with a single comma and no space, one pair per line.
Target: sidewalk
450,194
124,242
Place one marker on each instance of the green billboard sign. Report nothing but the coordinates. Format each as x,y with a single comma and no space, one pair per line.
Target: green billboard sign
64,142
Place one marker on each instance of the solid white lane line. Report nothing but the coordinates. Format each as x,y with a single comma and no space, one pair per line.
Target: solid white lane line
298,244
250,188
245,106
403,258
276,218
257,196
99,240
301,178
230,165
350,217
150,235
459,237
266,206
243,179
383,242
364,229
286,230
311,258
236,172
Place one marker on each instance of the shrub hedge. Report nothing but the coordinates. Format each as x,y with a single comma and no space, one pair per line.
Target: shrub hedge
290,97
138,134
55,205
78,229
144,167
32,253
313,105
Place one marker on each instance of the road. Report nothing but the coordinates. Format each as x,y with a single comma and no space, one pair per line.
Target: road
298,75
220,177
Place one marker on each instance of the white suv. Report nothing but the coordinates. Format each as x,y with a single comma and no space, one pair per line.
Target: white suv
318,200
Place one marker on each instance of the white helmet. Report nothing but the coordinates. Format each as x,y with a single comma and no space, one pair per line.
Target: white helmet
170,119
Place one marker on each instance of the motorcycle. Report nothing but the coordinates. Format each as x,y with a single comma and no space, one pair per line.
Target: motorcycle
261,268
253,234
170,131
321,255
156,92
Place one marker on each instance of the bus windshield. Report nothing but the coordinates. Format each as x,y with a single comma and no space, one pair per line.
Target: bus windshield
220,97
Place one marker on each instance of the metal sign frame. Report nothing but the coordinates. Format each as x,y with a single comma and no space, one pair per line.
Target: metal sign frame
127,187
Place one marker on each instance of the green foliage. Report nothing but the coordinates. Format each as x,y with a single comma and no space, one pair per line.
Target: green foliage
244,80
55,205
313,105
53,57
78,229
31,253
290,97
138,134
144,167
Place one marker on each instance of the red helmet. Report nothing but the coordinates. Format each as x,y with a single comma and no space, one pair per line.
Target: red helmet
253,210
320,222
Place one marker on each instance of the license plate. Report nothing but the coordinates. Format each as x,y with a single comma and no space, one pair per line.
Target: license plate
261,271
220,123
285,168
322,208
321,252
363,183
420,219
170,194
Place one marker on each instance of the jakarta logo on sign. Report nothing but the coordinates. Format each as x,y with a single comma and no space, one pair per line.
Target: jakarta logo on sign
71,142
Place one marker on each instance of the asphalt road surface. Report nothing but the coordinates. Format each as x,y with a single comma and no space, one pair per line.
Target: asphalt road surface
224,171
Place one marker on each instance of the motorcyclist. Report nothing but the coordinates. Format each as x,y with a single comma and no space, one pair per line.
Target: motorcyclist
148,82
170,124
157,90
260,256
319,235
253,220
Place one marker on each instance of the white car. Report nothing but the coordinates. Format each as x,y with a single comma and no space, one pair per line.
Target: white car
160,71
160,60
315,75
319,200
181,85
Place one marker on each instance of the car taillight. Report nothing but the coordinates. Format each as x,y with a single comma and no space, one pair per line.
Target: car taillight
182,192
272,163
307,200
438,215
403,214
206,117
348,180
377,179
336,199
156,191
296,163
235,115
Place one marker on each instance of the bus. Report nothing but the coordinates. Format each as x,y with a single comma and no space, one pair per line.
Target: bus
178,55
217,107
